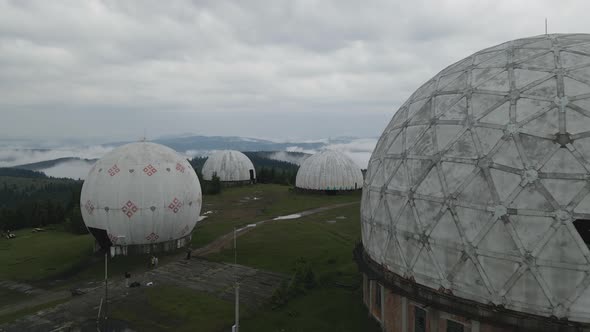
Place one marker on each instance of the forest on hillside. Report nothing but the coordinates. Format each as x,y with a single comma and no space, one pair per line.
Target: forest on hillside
31,199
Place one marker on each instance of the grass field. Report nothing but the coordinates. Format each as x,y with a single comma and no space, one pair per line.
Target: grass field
324,239
36,256
238,206
173,308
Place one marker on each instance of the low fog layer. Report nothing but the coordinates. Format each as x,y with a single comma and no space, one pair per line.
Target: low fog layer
358,150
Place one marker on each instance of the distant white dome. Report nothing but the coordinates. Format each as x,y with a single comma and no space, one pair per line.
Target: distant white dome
476,182
229,165
329,170
141,193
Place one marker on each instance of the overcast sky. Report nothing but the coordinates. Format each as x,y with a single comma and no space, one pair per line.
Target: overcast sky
108,70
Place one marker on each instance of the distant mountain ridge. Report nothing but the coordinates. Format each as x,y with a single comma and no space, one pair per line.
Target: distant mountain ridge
204,143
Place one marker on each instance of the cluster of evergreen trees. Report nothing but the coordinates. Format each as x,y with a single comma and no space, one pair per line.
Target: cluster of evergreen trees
31,199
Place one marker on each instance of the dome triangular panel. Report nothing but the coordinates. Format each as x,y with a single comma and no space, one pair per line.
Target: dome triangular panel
463,147
547,124
477,191
427,212
472,221
457,112
488,138
536,149
400,181
554,278
499,240
563,161
575,122
526,107
504,182
562,248
574,88
546,89
523,78
445,134
498,82
545,61
530,229
508,155
583,206
481,103
527,290
445,232
498,271
500,115
455,174
530,199
431,185
569,59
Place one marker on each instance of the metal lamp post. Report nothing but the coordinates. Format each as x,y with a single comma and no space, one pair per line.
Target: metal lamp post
236,327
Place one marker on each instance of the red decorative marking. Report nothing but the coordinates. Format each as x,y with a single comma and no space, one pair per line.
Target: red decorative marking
113,238
129,209
150,170
114,170
152,237
179,168
175,205
89,207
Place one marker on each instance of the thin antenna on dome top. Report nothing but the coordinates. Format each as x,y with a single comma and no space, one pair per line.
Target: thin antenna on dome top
545,26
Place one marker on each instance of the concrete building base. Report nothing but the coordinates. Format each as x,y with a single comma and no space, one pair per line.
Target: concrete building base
401,305
152,248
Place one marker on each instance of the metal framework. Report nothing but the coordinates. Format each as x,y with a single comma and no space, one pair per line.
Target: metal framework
229,166
329,170
476,181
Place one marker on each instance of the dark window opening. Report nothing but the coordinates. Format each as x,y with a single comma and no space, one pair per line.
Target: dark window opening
419,320
251,175
101,237
583,228
454,326
377,297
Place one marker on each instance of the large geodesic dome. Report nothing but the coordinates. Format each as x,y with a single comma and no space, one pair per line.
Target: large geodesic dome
479,181
329,170
141,194
229,166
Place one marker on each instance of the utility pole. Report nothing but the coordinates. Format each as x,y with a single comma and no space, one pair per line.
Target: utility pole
236,327
106,290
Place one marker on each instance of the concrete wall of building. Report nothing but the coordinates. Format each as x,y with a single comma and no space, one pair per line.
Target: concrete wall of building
397,313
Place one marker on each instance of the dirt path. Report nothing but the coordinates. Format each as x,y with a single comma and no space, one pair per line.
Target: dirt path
227,239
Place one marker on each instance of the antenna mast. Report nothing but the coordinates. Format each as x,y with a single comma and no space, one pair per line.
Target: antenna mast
545,26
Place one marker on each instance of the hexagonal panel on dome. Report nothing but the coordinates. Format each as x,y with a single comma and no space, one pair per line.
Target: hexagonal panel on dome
478,179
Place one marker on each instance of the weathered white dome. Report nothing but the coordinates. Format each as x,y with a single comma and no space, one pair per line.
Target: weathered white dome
476,181
229,165
329,170
141,193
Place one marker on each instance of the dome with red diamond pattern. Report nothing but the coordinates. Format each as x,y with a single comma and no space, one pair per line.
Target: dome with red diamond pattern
141,193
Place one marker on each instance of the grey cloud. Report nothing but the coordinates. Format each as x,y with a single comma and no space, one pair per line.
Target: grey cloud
139,62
